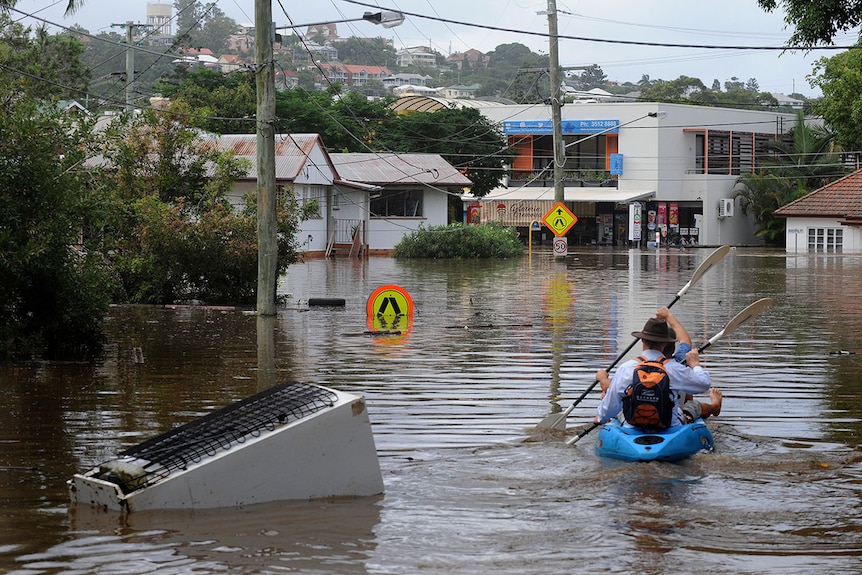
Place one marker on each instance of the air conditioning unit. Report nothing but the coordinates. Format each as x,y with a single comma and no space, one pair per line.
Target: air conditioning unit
725,208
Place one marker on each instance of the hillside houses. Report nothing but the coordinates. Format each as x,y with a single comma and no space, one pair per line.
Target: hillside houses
420,56
472,58
352,75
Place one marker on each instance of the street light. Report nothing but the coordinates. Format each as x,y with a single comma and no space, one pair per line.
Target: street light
267,236
386,18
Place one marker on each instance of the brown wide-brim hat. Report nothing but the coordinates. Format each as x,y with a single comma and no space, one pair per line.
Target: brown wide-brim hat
655,330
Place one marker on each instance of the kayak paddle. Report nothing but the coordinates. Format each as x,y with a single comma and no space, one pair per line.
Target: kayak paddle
558,420
751,311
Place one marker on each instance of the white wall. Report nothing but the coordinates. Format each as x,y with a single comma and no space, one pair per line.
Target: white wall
796,234
659,154
385,233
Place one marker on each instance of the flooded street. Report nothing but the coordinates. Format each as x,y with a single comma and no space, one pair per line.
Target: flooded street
472,486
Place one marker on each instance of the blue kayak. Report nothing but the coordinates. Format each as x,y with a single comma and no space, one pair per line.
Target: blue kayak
672,444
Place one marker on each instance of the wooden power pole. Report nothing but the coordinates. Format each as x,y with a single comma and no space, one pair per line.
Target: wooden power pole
267,244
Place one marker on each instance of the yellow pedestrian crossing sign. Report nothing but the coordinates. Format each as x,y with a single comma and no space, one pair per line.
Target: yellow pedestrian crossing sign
560,219
390,308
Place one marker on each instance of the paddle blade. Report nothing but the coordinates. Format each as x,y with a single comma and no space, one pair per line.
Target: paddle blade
751,311
554,421
706,265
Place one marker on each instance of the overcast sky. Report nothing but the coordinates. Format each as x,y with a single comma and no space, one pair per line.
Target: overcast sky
602,27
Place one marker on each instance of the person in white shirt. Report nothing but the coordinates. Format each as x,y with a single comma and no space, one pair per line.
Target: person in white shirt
689,379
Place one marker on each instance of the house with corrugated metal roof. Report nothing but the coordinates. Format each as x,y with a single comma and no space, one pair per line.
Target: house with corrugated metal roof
365,202
828,219
383,196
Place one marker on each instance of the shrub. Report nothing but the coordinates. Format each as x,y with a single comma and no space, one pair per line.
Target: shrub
460,241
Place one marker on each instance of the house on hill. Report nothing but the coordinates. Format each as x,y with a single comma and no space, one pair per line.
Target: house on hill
404,79
828,219
197,57
352,74
416,56
230,63
327,31
460,91
472,58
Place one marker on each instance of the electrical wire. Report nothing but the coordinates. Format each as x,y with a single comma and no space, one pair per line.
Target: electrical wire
620,42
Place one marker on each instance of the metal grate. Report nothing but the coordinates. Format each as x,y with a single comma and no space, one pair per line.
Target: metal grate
229,426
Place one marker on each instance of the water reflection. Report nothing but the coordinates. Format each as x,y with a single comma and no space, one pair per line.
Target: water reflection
494,348
306,537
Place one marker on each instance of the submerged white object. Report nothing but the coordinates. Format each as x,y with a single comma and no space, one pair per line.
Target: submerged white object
292,441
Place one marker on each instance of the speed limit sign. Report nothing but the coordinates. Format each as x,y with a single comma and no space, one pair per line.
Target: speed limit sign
561,246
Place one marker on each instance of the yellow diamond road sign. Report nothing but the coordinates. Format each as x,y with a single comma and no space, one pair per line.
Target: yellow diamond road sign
560,219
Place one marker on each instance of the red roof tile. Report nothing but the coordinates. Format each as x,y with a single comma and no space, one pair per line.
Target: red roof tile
839,199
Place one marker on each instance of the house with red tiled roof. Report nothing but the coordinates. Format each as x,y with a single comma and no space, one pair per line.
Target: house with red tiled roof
828,219
471,57
230,63
353,74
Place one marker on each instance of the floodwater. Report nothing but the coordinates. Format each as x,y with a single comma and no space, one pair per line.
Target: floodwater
472,487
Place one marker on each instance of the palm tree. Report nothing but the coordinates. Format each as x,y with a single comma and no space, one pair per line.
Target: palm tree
791,169
762,193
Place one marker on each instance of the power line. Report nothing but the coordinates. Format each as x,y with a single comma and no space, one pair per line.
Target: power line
612,41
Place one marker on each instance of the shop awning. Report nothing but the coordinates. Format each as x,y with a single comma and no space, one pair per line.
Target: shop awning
522,205
579,194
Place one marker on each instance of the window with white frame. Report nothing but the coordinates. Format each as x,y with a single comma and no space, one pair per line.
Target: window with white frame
313,192
401,203
825,239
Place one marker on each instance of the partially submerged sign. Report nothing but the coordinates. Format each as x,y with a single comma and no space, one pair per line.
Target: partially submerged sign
390,309
292,441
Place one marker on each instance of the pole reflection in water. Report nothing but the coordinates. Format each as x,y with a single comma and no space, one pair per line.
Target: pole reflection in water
266,370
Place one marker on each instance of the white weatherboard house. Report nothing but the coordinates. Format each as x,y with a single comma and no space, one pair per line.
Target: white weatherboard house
678,162
828,219
390,195
367,202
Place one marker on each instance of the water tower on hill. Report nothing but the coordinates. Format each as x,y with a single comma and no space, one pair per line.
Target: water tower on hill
159,18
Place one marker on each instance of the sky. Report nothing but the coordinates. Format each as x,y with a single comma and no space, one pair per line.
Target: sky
606,33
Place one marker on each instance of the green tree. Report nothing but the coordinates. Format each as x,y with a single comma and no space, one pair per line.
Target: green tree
367,51
752,85
222,104
464,137
594,77
734,84
175,237
840,80
816,21
506,59
672,91
53,294
203,25
39,64
762,193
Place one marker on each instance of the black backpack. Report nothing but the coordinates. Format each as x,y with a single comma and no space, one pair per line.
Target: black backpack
648,402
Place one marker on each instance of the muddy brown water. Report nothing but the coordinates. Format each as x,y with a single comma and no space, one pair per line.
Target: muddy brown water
471,485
